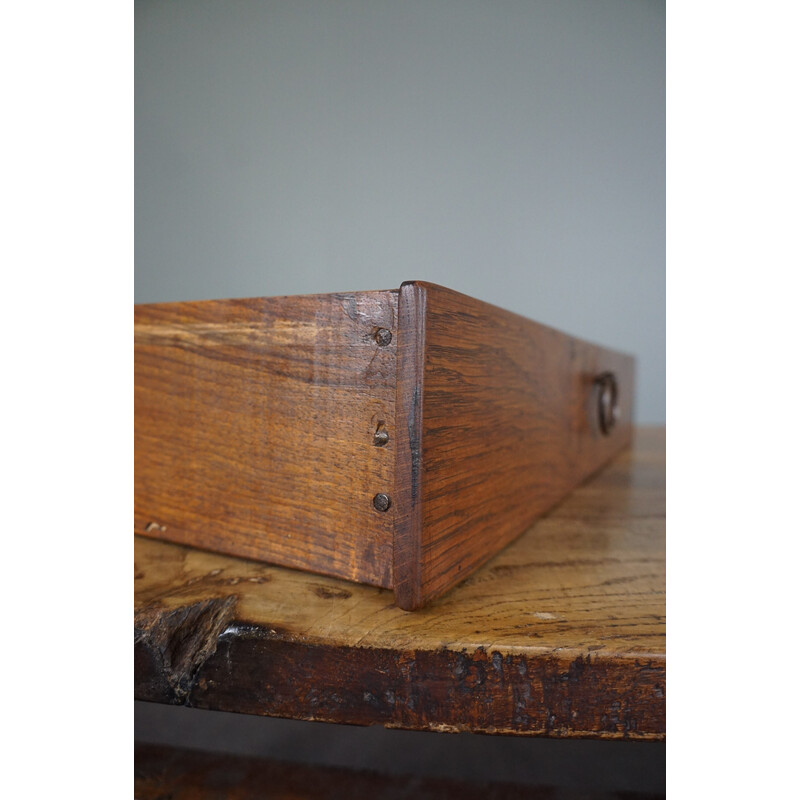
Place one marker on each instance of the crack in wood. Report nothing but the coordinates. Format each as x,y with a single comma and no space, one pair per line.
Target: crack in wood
171,645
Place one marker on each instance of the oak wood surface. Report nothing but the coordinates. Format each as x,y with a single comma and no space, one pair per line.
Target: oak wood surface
498,421
560,634
255,423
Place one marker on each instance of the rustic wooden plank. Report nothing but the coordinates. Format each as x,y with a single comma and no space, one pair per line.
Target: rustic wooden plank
498,422
255,423
561,634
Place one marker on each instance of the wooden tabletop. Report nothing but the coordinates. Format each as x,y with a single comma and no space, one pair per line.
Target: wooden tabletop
561,634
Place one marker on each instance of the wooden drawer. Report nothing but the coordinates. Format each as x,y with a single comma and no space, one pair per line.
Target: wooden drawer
394,438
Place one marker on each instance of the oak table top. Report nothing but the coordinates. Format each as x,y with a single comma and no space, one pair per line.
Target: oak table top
563,633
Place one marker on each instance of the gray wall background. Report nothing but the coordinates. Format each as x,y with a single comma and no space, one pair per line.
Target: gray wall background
513,151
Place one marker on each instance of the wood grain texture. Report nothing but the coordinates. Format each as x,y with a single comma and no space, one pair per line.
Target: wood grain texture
499,422
254,429
560,634
408,453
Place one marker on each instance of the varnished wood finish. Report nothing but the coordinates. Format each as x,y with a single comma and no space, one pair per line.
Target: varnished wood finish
255,422
499,422
560,634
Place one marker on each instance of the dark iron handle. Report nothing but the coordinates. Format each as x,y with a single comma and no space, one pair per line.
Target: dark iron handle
607,401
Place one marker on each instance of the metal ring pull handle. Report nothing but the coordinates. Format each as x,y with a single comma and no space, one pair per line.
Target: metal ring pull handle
607,401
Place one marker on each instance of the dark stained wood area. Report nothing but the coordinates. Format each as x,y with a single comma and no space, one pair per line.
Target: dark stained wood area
163,772
255,426
560,634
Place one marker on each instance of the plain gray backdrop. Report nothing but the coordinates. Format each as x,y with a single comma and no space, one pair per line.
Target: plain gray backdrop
513,151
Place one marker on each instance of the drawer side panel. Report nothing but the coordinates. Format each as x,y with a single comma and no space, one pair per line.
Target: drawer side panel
254,429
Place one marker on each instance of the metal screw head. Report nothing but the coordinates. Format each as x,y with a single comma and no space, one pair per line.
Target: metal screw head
383,337
381,502
380,437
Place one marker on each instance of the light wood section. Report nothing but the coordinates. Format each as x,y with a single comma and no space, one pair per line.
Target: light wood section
560,634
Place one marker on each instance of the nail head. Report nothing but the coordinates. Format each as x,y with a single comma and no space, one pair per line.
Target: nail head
383,337
381,502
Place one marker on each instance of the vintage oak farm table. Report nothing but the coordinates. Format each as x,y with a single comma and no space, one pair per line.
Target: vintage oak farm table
561,634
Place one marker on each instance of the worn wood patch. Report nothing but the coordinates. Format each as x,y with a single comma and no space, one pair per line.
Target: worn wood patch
170,646
255,672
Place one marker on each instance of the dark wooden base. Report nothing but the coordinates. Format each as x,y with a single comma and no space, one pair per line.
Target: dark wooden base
483,691
163,772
